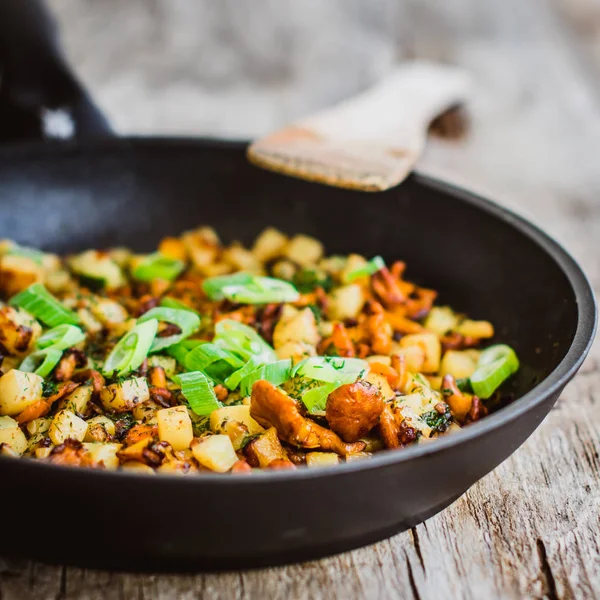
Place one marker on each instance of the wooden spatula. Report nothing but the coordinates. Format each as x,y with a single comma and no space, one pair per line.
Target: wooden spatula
370,142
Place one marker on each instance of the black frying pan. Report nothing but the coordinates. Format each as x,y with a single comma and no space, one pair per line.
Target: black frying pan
483,259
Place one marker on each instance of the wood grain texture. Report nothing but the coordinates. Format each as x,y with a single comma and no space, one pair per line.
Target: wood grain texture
531,528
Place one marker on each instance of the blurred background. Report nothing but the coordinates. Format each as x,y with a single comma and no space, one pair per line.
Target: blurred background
240,68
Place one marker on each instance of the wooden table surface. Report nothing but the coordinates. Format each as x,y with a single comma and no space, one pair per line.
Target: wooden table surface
531,528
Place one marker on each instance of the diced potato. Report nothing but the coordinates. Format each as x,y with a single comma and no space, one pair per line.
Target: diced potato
202,246
42,452
38,426
137,467
475,329
215,452
414,356
295,326
17,273
58,281
236,422
18,390
11,434
242,260
88,320
175,467
104,454
382,384
19,330
304,250
108,311
322,459
441,320
95,264
100,429
263,450
175,427
345,302
458,364
78,400
124,396
145,411
120,255
67,425
435,381
269,244
431,346
284,269
379,358
358,456
296,351
354,262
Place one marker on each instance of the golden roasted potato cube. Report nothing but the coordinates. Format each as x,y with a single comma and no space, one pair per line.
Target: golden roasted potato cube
17,273
215,452
441,320
295,326
202,246
67,425
124,396
269,244
458,364
89,321
108,311
382,384
435,381
42,452
18,329
137,467
146,411
431,346
78,400
304,250
322,459
284,269
264,449
175,427
18,390
241,259
104,454
345,302
379,358
38,426
475,329
413,355
236,422
100,429
11,434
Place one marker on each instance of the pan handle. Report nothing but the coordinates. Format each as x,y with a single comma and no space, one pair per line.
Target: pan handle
40,98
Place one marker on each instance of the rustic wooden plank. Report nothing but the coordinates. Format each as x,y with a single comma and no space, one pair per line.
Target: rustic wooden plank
529,529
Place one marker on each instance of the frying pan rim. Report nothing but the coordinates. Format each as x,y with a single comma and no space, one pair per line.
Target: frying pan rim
557,378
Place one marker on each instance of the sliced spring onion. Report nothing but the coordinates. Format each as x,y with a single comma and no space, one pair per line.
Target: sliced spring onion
217,363
172,303
242,340
331,369
158,266
315,399
131,349
42,362
61,337
213,286
38,301
198,391
243,288
496,364
187,321
233,381
375,264
26,252
181,350
276,373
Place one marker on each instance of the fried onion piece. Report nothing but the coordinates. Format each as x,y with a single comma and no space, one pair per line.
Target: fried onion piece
271,407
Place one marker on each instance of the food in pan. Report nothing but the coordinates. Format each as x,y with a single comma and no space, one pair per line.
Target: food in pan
202,357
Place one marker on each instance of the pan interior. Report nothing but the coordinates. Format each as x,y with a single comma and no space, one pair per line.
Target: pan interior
134,193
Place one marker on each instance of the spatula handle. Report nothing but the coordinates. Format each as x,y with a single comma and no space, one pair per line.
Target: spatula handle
405,101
